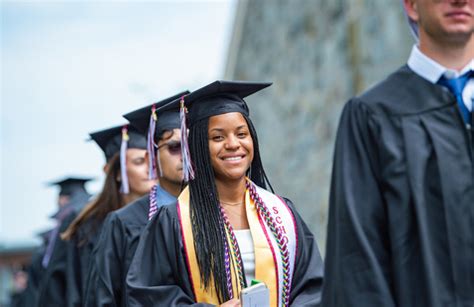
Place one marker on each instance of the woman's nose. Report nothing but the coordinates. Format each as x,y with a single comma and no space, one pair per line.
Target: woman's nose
232,143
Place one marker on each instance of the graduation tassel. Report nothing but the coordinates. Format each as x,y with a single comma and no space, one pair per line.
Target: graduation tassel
150,144
124,189
188,172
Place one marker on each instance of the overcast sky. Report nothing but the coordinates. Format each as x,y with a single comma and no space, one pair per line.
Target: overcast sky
72,67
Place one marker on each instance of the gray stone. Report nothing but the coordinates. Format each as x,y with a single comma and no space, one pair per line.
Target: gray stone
318,54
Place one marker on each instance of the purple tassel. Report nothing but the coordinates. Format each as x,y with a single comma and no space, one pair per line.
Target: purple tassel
53,236
150,145
124,189
49,249
188,172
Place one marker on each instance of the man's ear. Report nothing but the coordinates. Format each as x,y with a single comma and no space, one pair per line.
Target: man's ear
411,9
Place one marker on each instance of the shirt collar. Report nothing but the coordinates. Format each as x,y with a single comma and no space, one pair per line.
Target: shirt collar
430,69
469,67
164,197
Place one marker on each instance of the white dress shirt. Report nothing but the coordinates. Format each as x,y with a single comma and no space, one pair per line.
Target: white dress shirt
432,71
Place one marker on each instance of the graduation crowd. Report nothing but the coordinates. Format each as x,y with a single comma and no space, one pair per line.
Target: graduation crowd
188,216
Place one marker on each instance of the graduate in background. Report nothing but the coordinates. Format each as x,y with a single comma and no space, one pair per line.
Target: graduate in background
126,180
72,197
401,210
35,271
121,231
20,280
226,228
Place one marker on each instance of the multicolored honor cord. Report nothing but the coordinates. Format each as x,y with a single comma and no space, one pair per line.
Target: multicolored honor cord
236,255
279,237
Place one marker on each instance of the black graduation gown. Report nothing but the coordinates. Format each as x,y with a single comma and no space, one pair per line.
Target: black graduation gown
401,215
65,278
113,254
52,289
16,299
158,274
52,284
79,257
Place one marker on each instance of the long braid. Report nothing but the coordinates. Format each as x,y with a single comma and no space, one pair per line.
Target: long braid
207,225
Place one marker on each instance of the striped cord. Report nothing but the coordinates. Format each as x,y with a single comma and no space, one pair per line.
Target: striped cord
235,251
153,202
227,264
282,244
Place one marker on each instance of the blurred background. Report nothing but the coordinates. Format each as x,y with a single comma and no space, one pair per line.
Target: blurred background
72,67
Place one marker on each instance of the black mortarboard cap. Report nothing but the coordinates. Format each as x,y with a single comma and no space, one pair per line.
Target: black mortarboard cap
218,97
147,120
110,140
140,119
70,185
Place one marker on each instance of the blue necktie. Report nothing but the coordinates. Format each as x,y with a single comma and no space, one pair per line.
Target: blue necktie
456,86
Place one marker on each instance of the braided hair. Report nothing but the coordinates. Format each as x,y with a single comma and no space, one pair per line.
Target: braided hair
207,224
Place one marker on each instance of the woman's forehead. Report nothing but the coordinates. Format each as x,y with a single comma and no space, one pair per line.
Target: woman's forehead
227,120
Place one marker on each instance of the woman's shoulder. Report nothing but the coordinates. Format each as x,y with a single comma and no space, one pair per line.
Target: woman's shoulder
288,202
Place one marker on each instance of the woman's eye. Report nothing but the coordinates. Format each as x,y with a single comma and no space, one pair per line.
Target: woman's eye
242,134
217,138
138,161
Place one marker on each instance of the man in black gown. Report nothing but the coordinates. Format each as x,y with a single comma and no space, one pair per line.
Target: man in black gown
401,216
122,229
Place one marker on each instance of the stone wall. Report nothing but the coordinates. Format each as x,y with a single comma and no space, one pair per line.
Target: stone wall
318,54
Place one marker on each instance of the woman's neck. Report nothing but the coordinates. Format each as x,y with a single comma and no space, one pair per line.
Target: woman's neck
232,199
231,191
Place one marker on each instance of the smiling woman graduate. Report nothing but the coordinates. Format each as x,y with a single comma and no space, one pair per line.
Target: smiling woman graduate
226,228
